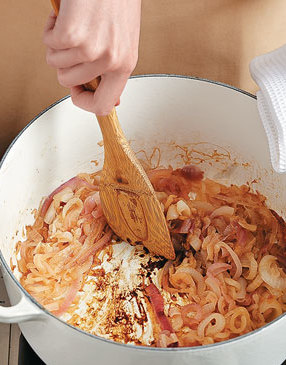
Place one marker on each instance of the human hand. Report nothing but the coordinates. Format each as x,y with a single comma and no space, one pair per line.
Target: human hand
91,38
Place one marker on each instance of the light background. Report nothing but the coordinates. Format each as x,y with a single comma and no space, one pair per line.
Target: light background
213,39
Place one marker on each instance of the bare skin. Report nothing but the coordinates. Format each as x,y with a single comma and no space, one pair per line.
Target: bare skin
92,38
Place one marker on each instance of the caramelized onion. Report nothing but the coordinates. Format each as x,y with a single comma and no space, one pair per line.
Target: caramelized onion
206,326
195,275
218,268
73,183
226,280
269,272
225,211
90,251
172,213
76,285
165,278
176,318
183,208
248,227
235,258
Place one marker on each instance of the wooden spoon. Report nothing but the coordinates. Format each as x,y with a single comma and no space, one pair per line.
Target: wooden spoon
128,199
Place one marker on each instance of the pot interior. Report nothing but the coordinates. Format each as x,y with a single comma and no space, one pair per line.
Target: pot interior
169,120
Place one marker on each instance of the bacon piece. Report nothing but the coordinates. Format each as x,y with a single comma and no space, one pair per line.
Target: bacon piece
157,303
190,172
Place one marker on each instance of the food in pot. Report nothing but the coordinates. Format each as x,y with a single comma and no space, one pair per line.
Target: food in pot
228,277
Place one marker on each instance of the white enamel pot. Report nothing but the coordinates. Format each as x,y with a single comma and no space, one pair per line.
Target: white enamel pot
170,112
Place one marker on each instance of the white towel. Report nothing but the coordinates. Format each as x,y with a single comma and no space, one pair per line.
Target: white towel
269,72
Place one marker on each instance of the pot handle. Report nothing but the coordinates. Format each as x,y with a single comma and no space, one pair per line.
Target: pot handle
23,311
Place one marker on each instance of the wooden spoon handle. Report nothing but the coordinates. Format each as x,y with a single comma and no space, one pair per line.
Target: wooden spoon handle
92,85
109,124
56,5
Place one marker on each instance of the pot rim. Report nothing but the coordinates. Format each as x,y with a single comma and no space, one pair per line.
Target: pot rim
111,342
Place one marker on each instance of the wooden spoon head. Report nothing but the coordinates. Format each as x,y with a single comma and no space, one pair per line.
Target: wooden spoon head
128,199
137,218
132,208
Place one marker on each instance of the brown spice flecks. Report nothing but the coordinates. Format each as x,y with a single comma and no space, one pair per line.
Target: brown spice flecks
112,303
152,265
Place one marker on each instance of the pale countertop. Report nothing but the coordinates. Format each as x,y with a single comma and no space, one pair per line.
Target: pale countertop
9,334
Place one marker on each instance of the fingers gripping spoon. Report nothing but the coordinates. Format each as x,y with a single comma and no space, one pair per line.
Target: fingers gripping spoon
128,199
